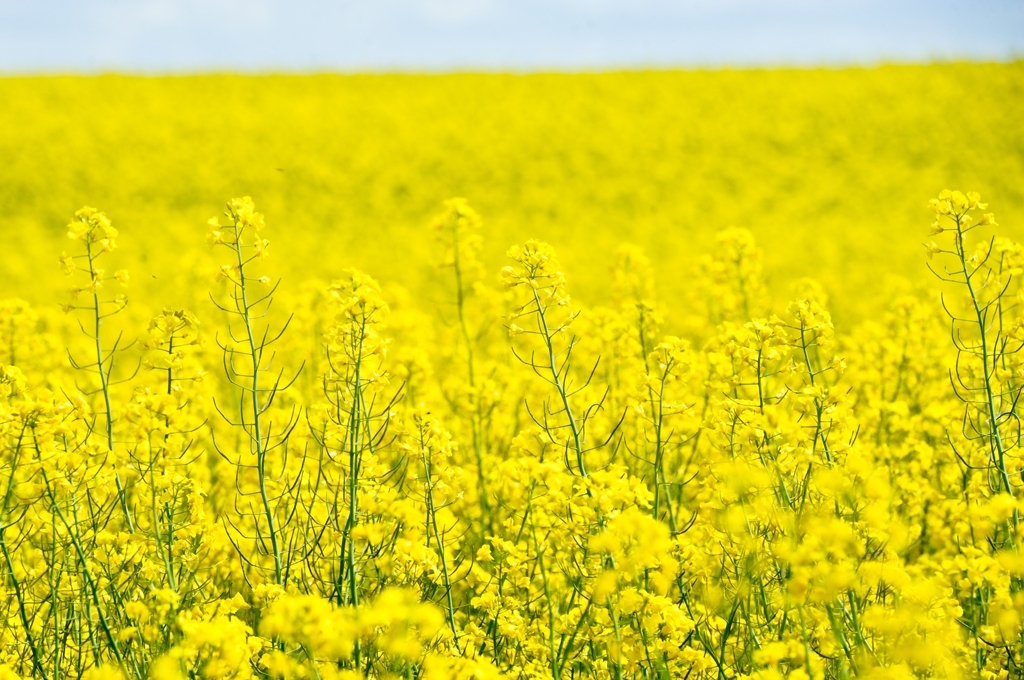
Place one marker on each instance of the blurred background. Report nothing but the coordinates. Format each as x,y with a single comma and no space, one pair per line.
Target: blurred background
679,127
431,35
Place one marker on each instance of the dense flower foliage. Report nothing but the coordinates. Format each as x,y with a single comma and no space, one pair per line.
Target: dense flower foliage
225,453
316,481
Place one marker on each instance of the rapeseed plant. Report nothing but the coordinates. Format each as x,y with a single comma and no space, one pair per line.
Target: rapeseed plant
368,489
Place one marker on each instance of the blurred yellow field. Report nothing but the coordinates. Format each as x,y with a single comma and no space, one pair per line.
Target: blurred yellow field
825,167
669,392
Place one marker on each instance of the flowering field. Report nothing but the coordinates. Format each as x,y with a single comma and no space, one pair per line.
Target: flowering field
596,421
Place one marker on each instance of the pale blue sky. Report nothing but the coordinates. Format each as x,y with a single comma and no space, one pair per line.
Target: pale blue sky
302,35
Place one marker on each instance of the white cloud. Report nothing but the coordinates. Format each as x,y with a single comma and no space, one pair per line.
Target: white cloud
231,14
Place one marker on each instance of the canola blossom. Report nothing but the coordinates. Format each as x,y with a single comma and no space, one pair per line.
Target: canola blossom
279,476
516,486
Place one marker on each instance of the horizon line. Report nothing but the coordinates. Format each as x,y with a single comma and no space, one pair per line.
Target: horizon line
270,71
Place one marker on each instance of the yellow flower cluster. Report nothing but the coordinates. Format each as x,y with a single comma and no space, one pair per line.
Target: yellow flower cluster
328,481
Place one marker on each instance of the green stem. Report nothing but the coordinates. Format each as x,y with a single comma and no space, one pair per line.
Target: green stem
256,434
105,383
559,382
